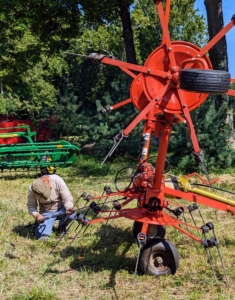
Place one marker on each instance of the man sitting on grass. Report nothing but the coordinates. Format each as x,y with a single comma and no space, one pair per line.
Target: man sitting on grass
49,195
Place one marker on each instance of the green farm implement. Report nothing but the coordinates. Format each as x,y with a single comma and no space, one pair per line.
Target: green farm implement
19,149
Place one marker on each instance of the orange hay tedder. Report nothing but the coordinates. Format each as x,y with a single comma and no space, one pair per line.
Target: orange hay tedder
175,79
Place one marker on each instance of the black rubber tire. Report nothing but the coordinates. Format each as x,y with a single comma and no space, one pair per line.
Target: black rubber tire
159,257
153,230
204,81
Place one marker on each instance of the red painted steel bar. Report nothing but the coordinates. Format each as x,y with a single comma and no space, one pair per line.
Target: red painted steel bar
162,151
141,69
158,217
189,225
181,118
124,102
144,228
177,204
189,122
231,92
128,72
217,37
144,112
187,233
103,219
202,180
166,34
192,61
167,15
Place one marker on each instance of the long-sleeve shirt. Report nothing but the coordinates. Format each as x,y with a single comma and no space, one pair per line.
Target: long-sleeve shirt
60,195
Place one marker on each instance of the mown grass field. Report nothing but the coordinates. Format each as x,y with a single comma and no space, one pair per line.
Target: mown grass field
101,264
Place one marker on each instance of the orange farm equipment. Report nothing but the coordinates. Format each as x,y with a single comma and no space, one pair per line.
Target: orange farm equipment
176,78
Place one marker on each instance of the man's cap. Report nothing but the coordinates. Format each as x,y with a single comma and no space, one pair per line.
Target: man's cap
39,187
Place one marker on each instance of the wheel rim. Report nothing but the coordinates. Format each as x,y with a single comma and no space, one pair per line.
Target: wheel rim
159,261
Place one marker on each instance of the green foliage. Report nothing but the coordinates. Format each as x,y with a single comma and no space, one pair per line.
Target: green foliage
147,28
3,109
67,121
105,11
213,133
38,79
35,294
101,129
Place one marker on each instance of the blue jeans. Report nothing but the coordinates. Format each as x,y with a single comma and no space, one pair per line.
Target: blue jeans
46,227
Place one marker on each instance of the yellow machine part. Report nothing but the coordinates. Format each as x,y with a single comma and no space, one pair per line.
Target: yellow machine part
183,184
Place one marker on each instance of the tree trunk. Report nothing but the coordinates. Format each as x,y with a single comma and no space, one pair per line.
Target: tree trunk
218,54
124,12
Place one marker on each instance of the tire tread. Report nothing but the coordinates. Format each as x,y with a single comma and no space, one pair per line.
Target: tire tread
204,81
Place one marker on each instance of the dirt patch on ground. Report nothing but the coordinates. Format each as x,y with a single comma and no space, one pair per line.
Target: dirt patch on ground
226,178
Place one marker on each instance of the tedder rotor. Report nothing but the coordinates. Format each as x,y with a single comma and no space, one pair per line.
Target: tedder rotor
20,151
176,78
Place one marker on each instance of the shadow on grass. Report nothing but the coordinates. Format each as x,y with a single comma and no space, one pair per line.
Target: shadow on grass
26,231
109,251
228,242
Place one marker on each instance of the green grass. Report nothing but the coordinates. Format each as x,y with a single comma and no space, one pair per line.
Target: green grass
100,266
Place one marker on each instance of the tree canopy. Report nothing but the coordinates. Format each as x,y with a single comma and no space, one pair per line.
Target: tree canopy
37,78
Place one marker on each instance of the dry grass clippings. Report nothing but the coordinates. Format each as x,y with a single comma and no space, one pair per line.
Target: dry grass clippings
101,264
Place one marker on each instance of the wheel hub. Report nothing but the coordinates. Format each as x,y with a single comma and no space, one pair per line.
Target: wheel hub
145,87
159,261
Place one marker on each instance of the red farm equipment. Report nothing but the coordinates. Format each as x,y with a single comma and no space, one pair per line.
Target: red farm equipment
176,78
45,131
21,150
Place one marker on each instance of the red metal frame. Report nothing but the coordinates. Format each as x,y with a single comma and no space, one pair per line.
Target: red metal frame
124,102
202,180
156,93
13,126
